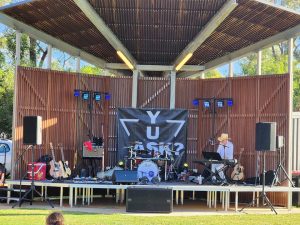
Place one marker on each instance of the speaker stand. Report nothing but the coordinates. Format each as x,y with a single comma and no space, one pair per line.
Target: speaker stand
263,195
278,168
32,188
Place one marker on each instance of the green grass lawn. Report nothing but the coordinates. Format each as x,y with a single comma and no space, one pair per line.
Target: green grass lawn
32,217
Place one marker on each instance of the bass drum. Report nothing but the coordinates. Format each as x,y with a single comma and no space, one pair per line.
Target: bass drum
148,169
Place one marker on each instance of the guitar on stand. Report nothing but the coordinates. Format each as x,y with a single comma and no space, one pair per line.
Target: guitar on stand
238,170
55,170
64,165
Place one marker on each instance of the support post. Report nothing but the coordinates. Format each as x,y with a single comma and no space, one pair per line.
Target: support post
135,78
18,61
78,64
290,136
172,89
202,75
231,69
259,59
49,58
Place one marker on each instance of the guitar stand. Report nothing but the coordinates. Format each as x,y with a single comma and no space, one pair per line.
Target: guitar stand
32,188
263,193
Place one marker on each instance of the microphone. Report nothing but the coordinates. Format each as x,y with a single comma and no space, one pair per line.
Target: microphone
225,146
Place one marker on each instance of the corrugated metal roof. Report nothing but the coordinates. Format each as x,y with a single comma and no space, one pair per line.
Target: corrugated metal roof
155,32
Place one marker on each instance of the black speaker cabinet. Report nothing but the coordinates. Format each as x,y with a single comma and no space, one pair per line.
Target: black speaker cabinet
279,141
152,200
32,130
125,177
265,136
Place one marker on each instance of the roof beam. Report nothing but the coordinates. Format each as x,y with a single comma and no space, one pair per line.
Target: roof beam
280,37
39,35
99,23
210,27
121,66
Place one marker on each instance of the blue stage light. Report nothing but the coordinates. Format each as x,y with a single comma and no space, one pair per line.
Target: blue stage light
85,95
220,103
230,102
195,102
97,96
76,93
206,104
107,96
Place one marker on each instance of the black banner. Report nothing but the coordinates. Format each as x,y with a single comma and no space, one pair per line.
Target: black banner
152,131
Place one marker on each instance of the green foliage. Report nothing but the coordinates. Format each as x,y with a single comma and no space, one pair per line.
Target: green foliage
213,74
6,99
89,69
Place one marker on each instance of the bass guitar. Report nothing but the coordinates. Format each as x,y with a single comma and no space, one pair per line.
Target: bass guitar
238,170
55,170
66,171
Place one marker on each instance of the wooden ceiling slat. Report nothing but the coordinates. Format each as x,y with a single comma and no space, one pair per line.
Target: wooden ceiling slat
156,32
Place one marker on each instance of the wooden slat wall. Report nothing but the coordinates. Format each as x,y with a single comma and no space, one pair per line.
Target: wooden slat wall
66,120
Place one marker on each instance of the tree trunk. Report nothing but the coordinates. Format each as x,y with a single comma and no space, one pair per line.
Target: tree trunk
43,58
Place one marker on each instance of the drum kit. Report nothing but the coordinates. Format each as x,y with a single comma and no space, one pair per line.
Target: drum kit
150,164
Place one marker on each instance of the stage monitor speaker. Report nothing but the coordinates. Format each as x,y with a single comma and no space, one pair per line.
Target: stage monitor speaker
279,141
96,152
265,136
32,130
125,177
149,200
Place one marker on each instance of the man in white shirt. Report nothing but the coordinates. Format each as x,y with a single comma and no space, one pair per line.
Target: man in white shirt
225,149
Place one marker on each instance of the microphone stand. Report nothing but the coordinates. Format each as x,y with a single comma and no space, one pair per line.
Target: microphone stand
32,187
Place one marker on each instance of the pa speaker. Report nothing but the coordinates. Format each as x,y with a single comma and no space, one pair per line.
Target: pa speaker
153,200
125,177
32,130
279,141
265,136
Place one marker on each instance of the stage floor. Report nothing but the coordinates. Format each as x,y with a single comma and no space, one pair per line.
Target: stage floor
216,198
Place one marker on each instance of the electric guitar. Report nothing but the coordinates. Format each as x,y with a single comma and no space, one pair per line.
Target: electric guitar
66,171
238,170
55,170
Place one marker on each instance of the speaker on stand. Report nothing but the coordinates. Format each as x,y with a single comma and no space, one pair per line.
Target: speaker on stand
265,140
32,135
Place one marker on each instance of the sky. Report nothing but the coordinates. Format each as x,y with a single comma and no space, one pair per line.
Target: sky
224,70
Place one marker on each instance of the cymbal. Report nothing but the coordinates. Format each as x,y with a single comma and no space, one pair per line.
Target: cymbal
135,142
160,144
130,147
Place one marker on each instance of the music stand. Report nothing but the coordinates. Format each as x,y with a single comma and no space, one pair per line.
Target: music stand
263,193
32,188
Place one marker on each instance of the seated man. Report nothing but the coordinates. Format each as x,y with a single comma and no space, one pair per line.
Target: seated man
225,149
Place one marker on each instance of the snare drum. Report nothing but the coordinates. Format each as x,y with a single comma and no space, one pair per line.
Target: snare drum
148,169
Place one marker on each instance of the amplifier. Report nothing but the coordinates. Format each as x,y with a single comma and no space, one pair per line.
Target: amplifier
125,177
149,200
95,152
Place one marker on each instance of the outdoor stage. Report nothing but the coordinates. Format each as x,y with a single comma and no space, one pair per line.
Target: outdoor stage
216,196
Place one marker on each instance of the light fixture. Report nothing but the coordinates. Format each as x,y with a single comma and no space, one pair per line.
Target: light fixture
206,103
185,59
107,96
126,61
97,96
85,95
195,102
220,103
186,165
76,93
230,102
